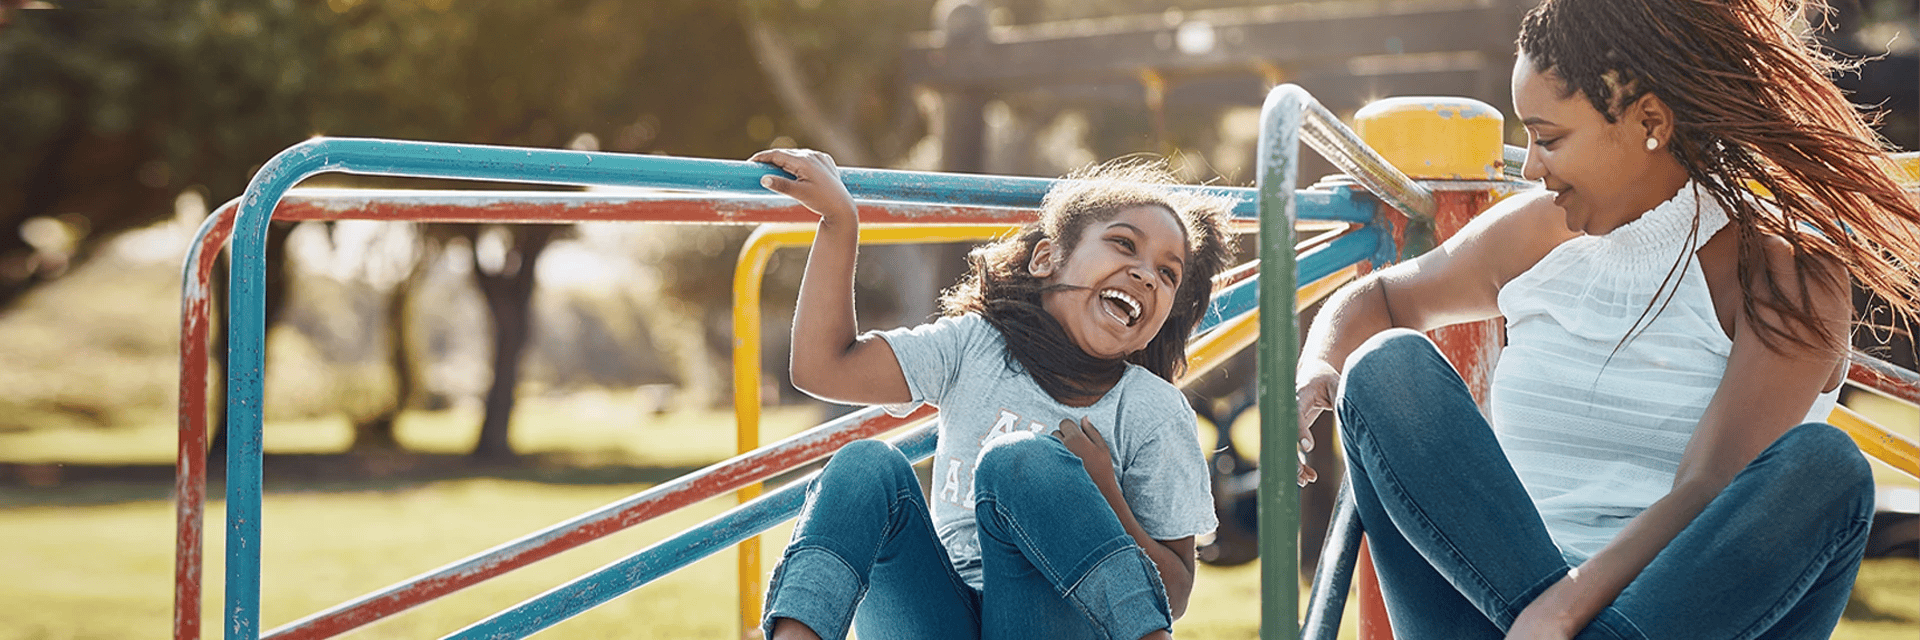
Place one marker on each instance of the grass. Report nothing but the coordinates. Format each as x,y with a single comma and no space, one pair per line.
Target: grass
97,559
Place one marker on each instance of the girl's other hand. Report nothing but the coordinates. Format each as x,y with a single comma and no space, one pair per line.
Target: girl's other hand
1085,441
815,182
1315,383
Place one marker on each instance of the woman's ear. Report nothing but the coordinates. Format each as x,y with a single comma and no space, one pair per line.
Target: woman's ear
1655,119
1041,264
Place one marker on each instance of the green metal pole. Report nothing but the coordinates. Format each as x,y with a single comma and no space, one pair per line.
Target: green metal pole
1279,170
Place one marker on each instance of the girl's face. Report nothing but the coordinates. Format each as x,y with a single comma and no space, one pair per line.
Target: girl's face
1122,275
1602,173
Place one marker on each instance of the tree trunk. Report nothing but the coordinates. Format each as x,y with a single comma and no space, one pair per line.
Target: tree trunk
376,432
509,296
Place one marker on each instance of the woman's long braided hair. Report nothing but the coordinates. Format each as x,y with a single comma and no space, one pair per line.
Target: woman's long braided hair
999,287
1753,105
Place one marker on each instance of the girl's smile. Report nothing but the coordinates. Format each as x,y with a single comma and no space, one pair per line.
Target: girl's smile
1120,278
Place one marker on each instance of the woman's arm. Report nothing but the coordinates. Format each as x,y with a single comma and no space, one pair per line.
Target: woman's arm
829,359
1172,558
1459,281
1764,393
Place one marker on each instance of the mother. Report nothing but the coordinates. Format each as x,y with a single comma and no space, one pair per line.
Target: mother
1652,464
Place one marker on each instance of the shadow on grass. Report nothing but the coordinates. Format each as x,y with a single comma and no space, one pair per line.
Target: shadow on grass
60,484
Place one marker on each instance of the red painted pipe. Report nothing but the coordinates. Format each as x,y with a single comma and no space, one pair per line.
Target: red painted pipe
190,479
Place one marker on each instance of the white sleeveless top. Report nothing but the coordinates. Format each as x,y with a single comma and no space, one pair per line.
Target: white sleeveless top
1596,433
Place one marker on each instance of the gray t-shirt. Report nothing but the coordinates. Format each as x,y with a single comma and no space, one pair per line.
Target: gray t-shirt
960,365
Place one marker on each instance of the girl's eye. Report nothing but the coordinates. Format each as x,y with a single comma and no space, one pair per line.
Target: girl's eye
1170,275
1124,243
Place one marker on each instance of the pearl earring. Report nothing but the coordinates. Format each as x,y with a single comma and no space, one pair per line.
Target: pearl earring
1652,143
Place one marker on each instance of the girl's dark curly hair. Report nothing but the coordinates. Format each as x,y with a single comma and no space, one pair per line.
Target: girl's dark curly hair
999,287
1752,105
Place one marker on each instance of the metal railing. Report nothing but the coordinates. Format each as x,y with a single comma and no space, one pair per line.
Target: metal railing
1290,117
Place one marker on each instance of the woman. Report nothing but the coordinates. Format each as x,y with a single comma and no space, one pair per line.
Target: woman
1651,463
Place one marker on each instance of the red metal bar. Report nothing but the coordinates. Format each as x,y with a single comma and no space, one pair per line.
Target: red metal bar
1878,375
1474,347
190,478
715,480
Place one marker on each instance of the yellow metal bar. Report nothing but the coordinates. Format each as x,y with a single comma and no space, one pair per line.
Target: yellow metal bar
1209,351
749,273
1877,441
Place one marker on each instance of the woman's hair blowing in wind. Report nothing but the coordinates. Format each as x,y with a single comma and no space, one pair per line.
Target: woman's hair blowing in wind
1753,106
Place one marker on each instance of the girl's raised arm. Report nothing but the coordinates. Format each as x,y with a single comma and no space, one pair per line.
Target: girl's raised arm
829,360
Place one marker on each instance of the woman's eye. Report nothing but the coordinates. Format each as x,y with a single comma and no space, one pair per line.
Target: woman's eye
1546,143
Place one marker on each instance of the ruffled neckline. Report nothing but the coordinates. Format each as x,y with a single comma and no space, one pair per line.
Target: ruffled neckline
1660,234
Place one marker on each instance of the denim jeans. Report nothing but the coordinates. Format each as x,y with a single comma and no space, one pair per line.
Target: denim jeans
1461,551
1055,561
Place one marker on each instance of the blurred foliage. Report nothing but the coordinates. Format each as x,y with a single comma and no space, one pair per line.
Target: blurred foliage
111,108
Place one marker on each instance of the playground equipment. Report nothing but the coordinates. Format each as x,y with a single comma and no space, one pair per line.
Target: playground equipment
1414,214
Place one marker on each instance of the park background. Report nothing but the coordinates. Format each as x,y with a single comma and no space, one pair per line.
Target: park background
394,443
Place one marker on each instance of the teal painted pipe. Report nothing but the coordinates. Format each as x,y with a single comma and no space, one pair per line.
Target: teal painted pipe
1279,349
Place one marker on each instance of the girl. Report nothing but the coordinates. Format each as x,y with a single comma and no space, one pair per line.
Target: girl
1081,321
1639,473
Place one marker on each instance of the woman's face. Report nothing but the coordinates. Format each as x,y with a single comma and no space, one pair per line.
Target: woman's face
1602,172
1122,276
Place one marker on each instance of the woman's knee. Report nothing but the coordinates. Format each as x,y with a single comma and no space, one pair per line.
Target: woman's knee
1819,457
1384,361
1388,373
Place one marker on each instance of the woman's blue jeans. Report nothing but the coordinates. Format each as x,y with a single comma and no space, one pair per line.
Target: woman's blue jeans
1055,561
1461,551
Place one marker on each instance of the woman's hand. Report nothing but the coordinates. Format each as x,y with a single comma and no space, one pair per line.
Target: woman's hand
1085,441
1314,386
815,182
1538,623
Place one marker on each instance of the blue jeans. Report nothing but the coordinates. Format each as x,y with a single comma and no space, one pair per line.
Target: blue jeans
1055,561
1461,551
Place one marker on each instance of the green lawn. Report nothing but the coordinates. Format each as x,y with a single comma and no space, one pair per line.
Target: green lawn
95,561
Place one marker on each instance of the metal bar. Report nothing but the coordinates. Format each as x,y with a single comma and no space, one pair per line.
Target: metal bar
456,161
447,206
1898,451
1328,598
801,448
702,540
748,274
613,205
368,156
190,466
437,206
1324,132
1879,375
1287,106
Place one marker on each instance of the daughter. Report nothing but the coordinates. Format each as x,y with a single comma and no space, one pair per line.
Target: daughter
1084,530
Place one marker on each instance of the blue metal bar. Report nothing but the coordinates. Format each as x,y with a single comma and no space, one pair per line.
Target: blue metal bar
649,564
1339,204
1355,246
246,339
1328,599
1278,158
